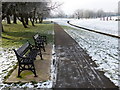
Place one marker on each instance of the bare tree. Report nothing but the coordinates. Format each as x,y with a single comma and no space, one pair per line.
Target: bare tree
78,13
25,11
92,14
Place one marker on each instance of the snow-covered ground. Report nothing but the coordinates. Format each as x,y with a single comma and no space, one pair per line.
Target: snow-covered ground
103,49
8,60
110,26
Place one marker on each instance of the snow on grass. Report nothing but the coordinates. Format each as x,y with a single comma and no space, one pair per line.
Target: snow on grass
110,27
8,59
103,49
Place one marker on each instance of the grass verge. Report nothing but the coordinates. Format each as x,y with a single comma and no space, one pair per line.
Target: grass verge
16,35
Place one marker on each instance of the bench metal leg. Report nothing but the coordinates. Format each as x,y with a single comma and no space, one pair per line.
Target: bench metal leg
33,70
40,53
19,71
41,56
46,41
30,67
44,48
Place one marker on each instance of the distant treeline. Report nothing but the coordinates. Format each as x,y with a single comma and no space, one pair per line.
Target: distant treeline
92,14
80,13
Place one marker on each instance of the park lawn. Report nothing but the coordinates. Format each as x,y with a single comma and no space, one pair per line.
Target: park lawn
16,35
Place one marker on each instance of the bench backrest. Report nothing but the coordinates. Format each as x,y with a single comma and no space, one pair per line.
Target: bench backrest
22,50
36,36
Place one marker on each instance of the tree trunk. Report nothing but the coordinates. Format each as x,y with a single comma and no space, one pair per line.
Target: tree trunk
23,22
1,27
41,20
36,20
26,21
32,21
8,19
33,17
14,19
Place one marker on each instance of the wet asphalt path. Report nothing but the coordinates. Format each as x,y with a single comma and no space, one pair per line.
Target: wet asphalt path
75,67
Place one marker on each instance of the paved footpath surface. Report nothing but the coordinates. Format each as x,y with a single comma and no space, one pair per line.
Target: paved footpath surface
75,67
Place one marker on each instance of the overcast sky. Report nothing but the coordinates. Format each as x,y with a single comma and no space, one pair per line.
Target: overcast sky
69,6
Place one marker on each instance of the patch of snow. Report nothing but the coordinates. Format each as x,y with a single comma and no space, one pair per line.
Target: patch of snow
103,49
8,59
53,67
110,27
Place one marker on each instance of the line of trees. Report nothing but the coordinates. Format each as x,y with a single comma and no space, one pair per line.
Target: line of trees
91,14
34,12
80,13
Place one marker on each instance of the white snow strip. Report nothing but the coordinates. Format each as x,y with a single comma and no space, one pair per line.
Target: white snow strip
7,61
110,27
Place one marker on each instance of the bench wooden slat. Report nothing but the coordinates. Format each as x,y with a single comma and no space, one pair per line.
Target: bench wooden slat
23,49
33,53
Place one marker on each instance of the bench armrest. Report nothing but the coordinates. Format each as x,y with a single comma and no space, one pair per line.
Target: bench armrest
43,36
32,46
24,57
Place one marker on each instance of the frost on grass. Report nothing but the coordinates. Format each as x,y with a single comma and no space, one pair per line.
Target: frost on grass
8,60
103,49
110,27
